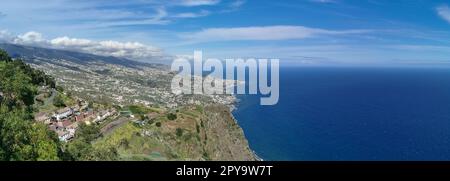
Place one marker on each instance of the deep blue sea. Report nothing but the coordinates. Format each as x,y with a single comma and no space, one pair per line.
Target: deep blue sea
352,114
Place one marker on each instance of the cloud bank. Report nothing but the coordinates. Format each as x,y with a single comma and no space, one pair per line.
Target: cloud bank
262,33
130,50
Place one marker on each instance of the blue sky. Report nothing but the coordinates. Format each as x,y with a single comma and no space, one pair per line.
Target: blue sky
306,32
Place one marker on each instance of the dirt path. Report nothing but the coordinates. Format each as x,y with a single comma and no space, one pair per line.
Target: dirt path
112,125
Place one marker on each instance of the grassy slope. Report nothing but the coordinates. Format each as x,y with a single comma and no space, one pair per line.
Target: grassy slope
150,142
206,135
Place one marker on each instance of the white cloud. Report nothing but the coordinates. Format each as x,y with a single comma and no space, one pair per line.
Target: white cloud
444,12
30,38
237,3
192,15
198,2
234,6
5,36
88,15
262,33
131,50
160,18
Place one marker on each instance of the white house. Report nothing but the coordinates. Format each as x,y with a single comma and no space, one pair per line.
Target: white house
63,113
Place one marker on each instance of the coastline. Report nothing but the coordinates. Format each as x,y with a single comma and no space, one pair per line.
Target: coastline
234,107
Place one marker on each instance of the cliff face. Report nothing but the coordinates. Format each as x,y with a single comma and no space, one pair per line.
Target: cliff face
226,140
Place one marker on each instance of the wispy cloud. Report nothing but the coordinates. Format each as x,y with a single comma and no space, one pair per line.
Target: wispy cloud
262,33
192,14
323,1
94,14
197,2
159,18
237,3
444,12
2,15
427,48
131,50
234,6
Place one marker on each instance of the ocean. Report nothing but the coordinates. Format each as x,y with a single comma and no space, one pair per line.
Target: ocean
336,113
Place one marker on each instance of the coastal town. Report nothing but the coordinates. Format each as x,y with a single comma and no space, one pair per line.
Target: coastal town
122,85
108,84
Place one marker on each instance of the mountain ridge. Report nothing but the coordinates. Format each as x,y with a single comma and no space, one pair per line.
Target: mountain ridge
30,52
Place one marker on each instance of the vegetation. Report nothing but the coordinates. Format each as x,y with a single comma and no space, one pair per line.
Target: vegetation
171,116
4,56
23,139
88,132
59,101
81,148
139,110
20,139
179,132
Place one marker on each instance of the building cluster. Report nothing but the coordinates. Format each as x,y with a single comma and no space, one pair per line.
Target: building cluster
65,121
124,85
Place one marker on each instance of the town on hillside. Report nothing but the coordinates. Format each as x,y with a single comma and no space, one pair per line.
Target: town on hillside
64,119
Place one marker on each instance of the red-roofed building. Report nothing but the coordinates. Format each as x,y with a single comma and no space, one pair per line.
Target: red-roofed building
66,123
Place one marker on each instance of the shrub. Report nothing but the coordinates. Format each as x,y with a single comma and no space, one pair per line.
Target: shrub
179,132
171,116
58,101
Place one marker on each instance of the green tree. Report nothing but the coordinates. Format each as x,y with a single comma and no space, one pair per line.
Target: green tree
58,101
16,87
46,143
20,138
158,124
4,56
81,150
60,89
171,116
88,132
179,132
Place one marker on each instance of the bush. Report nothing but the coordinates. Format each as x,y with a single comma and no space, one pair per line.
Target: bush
88,132
158,124
60,89
59,101
171,116
179,132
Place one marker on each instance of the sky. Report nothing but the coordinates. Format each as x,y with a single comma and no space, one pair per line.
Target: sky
298,32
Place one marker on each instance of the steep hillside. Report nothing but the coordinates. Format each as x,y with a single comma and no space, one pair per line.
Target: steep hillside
195,133
160,126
